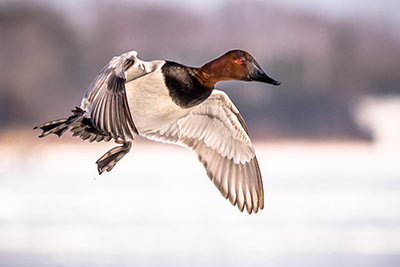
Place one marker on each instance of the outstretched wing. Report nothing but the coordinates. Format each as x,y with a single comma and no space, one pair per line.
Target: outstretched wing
105,99
218,134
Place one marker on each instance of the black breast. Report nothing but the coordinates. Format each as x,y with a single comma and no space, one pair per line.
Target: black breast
184,88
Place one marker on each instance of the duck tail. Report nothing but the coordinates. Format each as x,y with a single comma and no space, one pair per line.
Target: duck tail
59,127
79,124
83,127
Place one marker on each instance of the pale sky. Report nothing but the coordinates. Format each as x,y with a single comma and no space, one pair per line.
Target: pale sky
385,11
328,7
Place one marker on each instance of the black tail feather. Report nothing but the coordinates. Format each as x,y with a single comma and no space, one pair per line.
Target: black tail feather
49,127
58,127
83,127
80,126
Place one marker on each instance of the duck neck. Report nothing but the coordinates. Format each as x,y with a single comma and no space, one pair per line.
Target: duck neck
211,73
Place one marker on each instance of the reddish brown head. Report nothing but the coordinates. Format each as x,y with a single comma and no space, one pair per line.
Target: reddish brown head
233,65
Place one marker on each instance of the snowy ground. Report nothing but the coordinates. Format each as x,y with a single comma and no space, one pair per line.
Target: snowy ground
327,204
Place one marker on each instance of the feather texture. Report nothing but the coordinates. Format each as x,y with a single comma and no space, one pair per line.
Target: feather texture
105,100
216,132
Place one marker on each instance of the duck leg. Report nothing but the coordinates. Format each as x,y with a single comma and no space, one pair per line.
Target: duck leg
109,159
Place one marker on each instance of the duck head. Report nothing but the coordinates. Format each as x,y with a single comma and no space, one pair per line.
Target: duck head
233,65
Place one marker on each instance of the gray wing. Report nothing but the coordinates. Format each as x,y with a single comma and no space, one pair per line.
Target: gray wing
218,134
105,100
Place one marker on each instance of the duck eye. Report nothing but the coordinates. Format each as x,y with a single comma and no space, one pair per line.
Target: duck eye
240,61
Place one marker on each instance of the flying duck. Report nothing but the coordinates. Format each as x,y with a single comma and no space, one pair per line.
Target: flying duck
173,103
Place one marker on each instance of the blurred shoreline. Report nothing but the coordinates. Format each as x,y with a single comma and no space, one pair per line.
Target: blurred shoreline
29,137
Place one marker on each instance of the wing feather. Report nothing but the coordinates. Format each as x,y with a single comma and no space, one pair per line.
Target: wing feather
105,100
217,133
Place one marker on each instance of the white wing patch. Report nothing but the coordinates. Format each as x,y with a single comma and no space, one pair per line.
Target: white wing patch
217,133
218,129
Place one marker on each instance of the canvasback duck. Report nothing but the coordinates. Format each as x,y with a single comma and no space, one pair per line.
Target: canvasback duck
170,102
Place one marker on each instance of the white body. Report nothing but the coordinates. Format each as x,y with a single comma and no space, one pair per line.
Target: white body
149,102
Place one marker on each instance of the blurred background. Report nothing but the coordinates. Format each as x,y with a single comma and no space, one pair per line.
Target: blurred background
328,138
